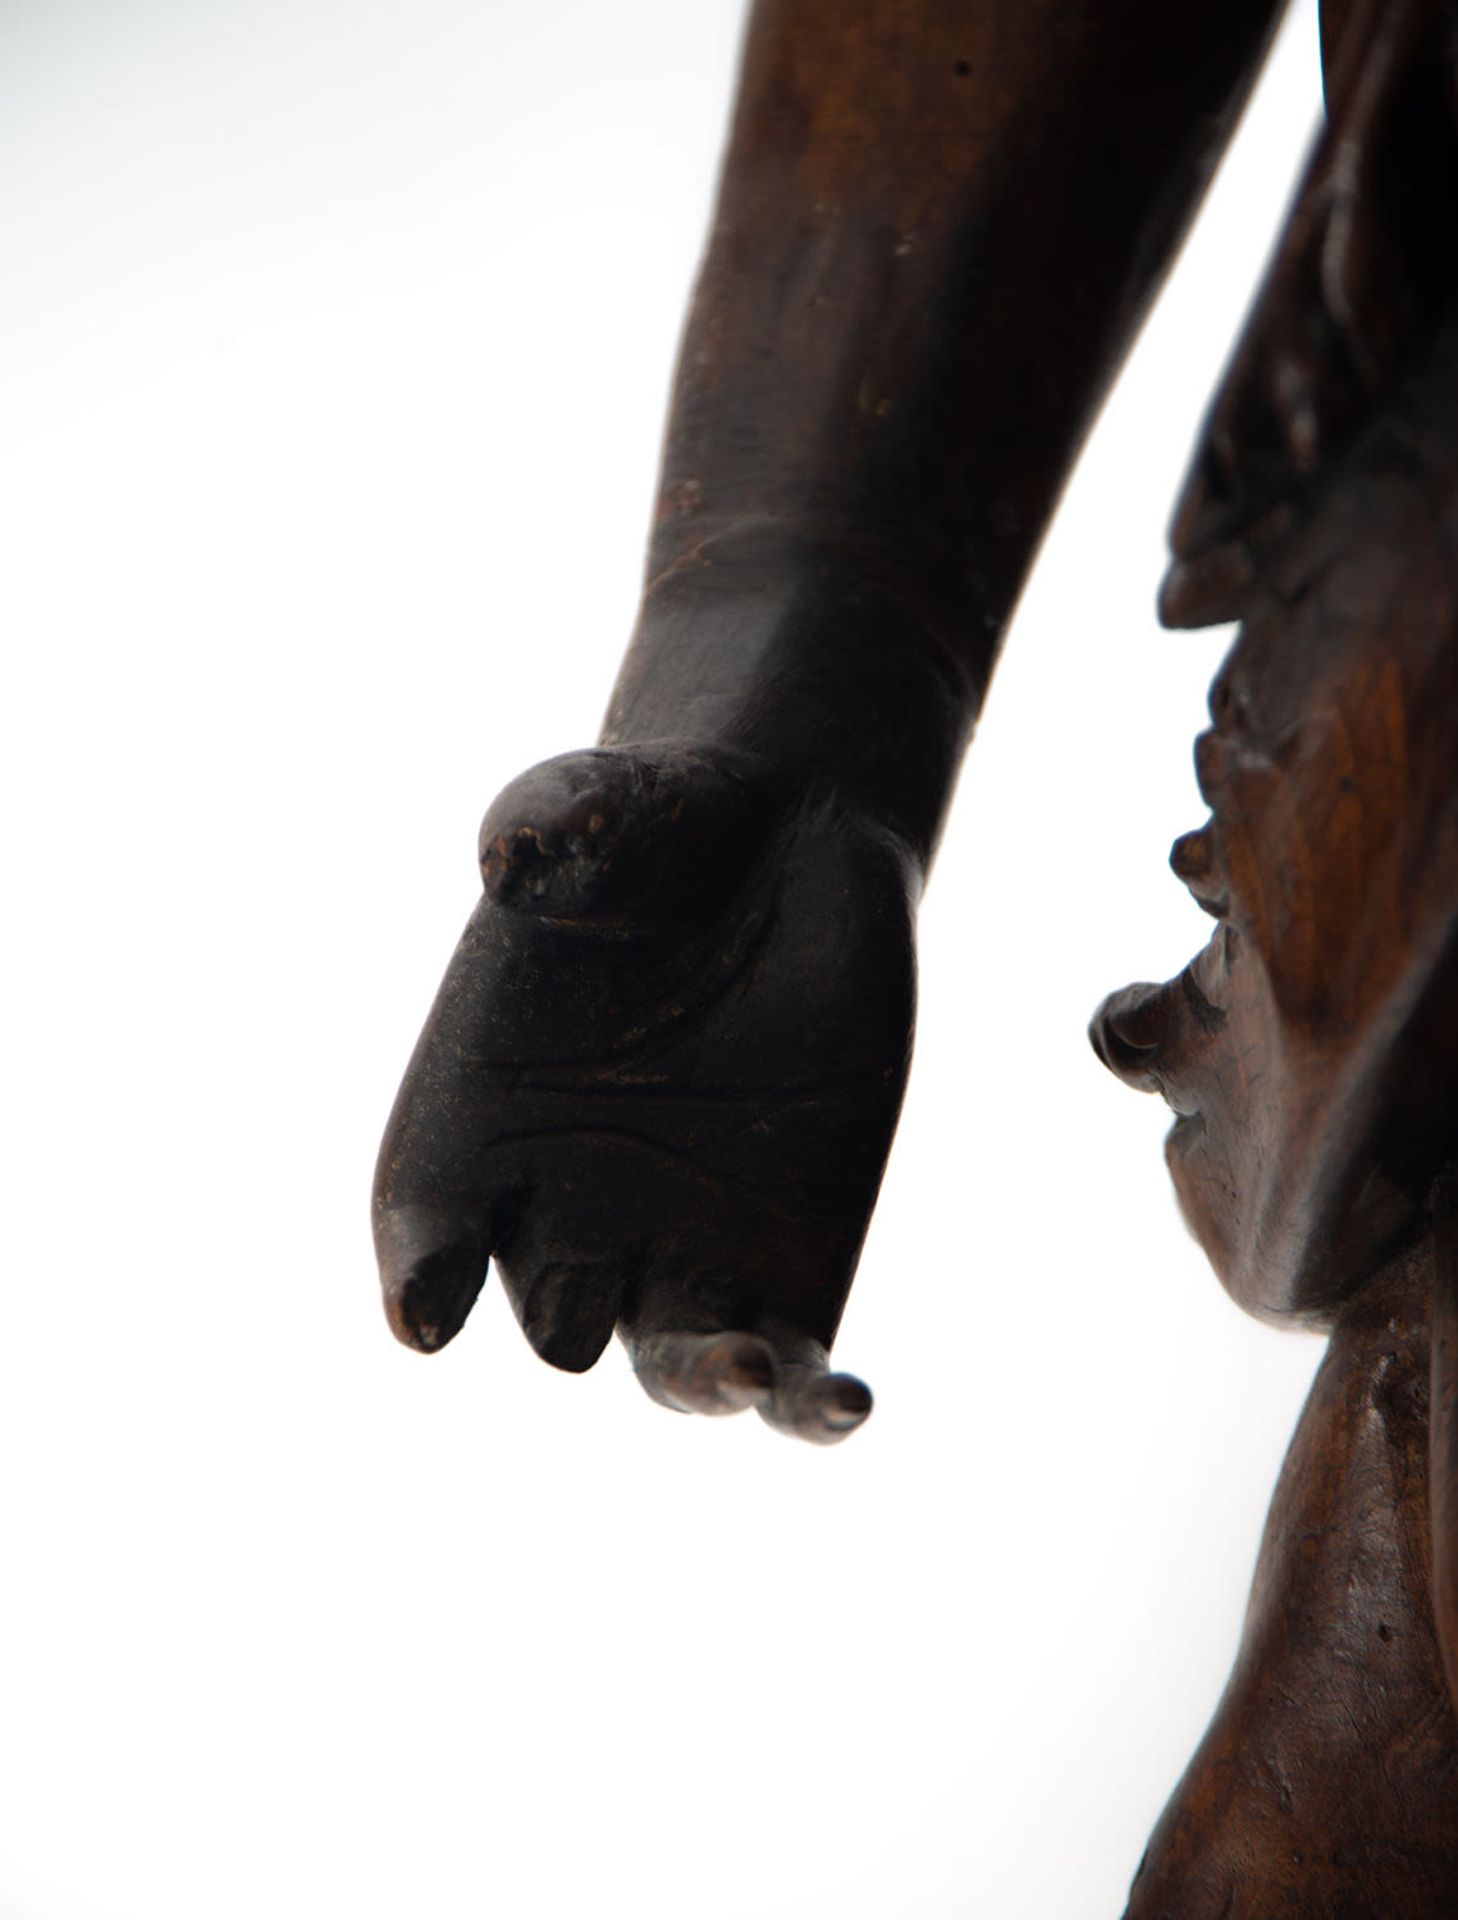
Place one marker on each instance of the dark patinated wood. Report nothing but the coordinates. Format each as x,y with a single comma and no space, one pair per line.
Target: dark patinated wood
1443,1450
1327,1785
1310,1051
1306,1048
662,1075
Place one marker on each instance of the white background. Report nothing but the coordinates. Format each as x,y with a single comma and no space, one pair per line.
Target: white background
336,335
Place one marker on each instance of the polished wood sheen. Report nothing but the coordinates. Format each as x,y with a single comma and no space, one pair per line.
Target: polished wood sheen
659,1084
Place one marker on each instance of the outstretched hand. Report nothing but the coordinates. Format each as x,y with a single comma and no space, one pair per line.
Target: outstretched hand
660,1081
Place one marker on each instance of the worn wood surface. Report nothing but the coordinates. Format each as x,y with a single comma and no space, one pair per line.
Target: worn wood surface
663,1074
663,1106
1309,1052
1328,1782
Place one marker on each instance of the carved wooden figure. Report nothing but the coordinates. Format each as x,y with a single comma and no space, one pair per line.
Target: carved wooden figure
1309,1050
662,1075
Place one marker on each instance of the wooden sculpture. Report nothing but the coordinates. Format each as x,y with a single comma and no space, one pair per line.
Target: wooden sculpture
662,1076
1309,1050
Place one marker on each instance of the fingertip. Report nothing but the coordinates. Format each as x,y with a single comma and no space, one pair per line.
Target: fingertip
569,1315
427,1304
847,1399
823,1408
839,1404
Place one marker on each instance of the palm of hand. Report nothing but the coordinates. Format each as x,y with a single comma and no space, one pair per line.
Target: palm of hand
659,1082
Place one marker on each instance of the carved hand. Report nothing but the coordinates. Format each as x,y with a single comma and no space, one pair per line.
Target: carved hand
660,1081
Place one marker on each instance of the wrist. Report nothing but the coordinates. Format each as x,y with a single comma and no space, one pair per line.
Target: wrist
811,650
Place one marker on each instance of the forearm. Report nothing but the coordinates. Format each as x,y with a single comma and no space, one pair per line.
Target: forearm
940,223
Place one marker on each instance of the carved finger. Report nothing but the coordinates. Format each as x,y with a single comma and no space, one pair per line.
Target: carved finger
567,1309
615,832
432,1267
435,1211
815,1405
551,841
713,1373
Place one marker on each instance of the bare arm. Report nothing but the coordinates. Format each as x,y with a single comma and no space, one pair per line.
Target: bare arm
661,1079
939,227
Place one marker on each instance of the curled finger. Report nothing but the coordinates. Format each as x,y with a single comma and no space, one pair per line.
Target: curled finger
813,1404
714,1373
